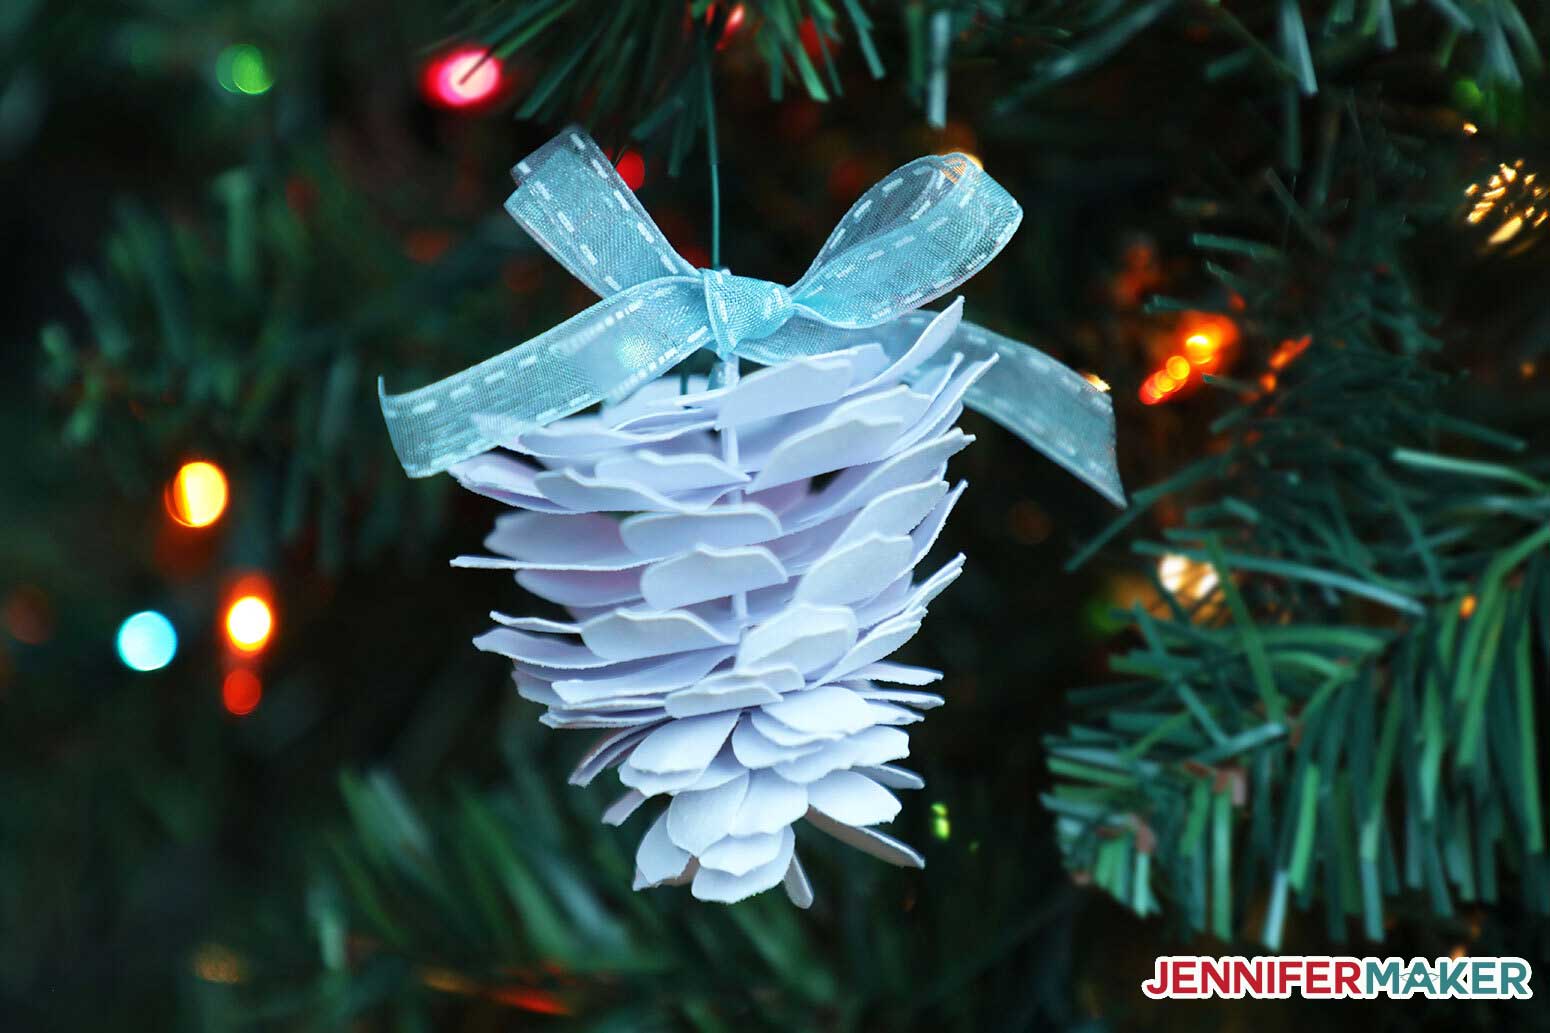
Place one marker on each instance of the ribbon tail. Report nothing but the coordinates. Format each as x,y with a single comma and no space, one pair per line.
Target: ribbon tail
1048,405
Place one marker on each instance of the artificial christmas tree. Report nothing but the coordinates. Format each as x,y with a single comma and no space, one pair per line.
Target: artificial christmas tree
1293,697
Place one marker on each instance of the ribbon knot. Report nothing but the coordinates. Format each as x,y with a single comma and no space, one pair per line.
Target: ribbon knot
910,239
743,308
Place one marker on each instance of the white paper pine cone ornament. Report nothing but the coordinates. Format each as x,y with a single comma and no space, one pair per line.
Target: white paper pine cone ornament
738,557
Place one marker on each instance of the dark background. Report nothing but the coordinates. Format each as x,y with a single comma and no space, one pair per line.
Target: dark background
144,830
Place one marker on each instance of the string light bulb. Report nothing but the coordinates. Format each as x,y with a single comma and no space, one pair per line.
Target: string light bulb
632,169
735,18
463,79
241,68
1200,348
241,692
941,826
147,641
249,620
1202,341
1513,200
197,494
1189,579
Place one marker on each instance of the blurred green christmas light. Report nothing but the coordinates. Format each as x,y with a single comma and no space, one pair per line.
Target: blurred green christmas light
241,69
1466,94
940,826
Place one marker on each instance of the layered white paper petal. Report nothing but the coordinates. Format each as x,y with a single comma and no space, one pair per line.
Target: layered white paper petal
738,562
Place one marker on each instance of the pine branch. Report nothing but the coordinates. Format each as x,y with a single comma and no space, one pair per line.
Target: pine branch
473,902
205,336
1337,701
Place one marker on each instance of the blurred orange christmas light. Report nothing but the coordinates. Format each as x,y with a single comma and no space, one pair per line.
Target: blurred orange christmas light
1204,339
196,495
215,963
1289,349
241,692
1201,348
249,620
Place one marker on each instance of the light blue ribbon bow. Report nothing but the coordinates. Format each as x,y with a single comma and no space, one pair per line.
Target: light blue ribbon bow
913,237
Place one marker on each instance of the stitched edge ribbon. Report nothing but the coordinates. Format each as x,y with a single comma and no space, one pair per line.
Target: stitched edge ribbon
910,239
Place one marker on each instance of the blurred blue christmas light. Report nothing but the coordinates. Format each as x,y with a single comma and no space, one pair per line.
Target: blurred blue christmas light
147,641
241,69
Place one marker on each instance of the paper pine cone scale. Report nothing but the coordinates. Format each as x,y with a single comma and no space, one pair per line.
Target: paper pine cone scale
731,621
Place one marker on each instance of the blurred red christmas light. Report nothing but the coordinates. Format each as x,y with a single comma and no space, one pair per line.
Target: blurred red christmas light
632,169
426,246
463,78
735,19
28,615
529,999
241,691
815,41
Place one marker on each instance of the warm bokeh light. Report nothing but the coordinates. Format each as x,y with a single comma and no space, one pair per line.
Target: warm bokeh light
249,623
1514,199
528,999
735,18
241,691
1288,350
632,169
1200,348
147,641
1096,381
1467,606
196,496
1203,339
1189,579
463,78
217,964
28,615
523,997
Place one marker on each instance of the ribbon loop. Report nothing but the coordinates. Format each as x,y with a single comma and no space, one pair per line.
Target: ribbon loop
907,241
